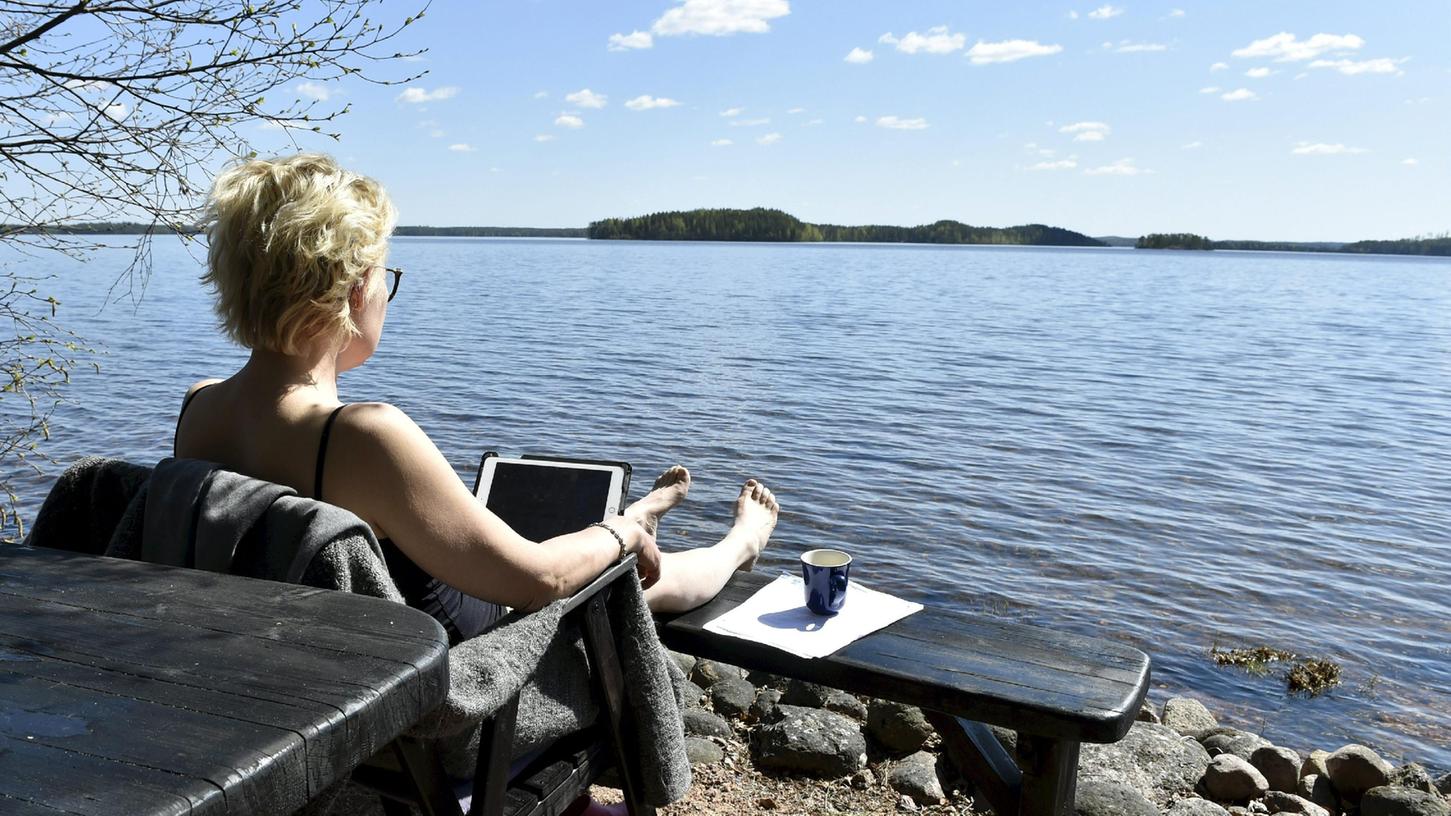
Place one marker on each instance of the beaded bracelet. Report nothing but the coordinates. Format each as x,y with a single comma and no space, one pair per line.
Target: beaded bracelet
614,533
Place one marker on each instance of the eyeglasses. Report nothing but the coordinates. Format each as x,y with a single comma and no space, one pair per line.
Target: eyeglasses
397,276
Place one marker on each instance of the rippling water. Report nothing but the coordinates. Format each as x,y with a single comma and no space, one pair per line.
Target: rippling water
1173,449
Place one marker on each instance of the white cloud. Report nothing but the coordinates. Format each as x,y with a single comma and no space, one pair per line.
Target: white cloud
1409,162
937,40
1322,149
1072,15
1210,89
1219,66
633,41
1139,48
794,111
569,120
462,147
1062,164
719,18
860,120
1105,12
1239,95
732,111
1176,13
544,137
540,94
117,111
417,96
1087,131
1195,145
585,98
315,90
1122,167
768,139
1284,47
859,56
495,170
1258,73
1009,51
1382,65
648,102
764,120
898,123
722,143
814,122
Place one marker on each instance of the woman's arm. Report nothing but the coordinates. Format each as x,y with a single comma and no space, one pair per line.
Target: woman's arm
383,467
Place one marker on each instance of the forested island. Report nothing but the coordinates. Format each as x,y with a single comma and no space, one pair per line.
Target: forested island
762,224
1439,245
1173,240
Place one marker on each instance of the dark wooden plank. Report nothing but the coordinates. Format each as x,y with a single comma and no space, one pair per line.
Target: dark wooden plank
1024,677
68,781
20,807
1050,776
609,684
491,768
420,760
517,803
976,752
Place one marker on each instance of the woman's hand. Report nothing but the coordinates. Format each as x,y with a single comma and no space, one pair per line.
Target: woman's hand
639,541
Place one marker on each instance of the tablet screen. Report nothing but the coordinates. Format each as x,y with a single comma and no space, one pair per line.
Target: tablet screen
540,502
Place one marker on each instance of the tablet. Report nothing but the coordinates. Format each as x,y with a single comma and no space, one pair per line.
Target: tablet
542,497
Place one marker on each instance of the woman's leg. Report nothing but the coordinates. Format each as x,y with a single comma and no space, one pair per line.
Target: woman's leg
689,578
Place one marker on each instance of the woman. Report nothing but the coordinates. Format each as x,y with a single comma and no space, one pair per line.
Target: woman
297,260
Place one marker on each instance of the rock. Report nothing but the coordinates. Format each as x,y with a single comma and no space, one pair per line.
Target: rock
705,673
1315,764
900,728
1443,784
684,661
694,695
1100,797
1196,807
1355,769
802,693
1242,744
1319,791
822,743
1008,738
1229,778
916,776
1152,759
703,751
761,679
1147,713
863,779
1390,800
702,723
1187,715
765,705
1280,766
844,703
732,696
1413,775
1257,807
906,803
1281,802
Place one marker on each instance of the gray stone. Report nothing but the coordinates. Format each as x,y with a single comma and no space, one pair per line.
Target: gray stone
732,696
705,673
1281,802
702,723
1413,775
694,695
1152,759
1319,791
802,693
684,661
764,706
1100,797
904,802
1281,767
1229,778
1147,713
1242,744
761,679
863,779
1196,807
1187,715
916,776
900,728
703,751
1257,807
1443,784
1008,737
844,703
1355,769
1390,800
822,743
1315,764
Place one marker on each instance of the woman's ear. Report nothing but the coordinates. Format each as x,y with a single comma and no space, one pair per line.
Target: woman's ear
357,296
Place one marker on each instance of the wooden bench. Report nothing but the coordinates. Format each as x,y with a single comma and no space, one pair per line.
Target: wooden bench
1055,689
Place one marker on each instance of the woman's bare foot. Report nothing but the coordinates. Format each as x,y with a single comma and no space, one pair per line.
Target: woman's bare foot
669,490
756,512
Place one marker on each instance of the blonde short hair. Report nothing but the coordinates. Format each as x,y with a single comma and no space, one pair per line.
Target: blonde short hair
289,238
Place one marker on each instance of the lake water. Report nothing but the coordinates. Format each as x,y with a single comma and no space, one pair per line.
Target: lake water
1172,449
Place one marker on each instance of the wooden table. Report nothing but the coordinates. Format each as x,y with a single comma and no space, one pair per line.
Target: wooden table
1055,689
131,688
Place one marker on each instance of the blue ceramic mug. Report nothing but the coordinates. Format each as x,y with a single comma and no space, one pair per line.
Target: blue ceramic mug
825,574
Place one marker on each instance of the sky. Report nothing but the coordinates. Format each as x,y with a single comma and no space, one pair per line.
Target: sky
1238,120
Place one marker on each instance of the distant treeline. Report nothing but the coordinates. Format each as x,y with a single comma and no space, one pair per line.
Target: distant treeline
761,224
1425,245
1437,245
1173,240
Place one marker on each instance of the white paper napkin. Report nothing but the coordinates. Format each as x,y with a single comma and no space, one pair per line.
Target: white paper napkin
777,616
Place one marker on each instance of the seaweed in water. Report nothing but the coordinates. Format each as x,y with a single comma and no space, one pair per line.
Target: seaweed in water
1309,676
1312,677
1255,660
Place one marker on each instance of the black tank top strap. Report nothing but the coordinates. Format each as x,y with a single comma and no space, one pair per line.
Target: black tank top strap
185,404
327,429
